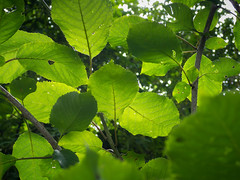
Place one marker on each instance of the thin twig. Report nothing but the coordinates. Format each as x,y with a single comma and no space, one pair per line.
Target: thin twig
47,7
235,5
199,56
229,12
109,137
30,117
186,42
98,128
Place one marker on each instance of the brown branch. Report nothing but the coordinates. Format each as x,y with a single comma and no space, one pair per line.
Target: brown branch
31,118
109,137
186,42
199,56
98,128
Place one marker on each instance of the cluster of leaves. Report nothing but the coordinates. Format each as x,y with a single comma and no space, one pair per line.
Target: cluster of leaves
113,91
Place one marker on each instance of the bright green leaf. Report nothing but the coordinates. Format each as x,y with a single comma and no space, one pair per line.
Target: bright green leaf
73,112
156,69
183,16
50,168
79,141
11,20
2,61
153,42
53,61
119,30
150,115
207,85
23,86
215,43
42,100
114,88
236,33
6,161
192,74
65,157
189,3
181,91
156,169
206,145
33,146
85,23
8,50
200,20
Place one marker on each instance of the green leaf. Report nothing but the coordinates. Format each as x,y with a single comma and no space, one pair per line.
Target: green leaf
85,23
23,86
114,88
153,42
236,33
192,74
206,145
8,50
65,157
207,85
150,115
156,69
53,61
200,20
119,30
6,107
2,61
11,19
156,169
181,91
50,168
183,16
30,146
189,3
134,158
6,161
80,141
215,43
42,100
73,112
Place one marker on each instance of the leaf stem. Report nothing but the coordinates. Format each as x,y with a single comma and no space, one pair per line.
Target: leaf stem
186,42
46,6
199,56
30,117
109,137
98,128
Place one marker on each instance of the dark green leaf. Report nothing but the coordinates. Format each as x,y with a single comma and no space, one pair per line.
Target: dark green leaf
85,23
236,33
189,3
181,91
183,16
73,112
134,158
215,43
65,157
5,107
155,43
6,161
206,145
23,86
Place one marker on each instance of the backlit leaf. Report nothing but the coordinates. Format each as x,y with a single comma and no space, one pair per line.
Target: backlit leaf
156,69
6,161
181,91
215,43
206,144
155,43
150,115
114,88
42,100
236,33
85,23
73,112
189,3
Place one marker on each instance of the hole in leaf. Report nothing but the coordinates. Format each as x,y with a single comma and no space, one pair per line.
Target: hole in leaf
50,62
226,76
233,67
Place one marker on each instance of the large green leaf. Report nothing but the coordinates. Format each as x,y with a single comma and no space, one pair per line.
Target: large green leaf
207,86
153,42
150,115
8,50
119,30
30,146
215,43
114,88
156,69
85,23
79,141
156,169
183,16
181,91
42,100
206,145
73,112
23,86
11,18
200,20
189,3
53,61
6,161
236,32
